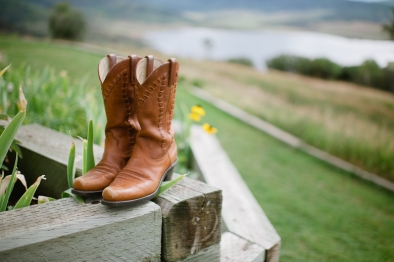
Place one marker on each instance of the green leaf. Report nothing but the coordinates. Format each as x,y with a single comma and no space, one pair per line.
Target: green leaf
26,198
167,184
8,134
16,148
3,71
4,197
68,193
89,147
85,157
71,165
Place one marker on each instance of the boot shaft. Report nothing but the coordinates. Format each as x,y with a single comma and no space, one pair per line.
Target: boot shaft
156,100
119,84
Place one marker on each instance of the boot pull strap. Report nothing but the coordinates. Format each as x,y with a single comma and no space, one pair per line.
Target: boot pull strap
112,60
173,73
149,66
134,59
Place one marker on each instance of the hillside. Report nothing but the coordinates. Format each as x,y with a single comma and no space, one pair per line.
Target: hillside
348,18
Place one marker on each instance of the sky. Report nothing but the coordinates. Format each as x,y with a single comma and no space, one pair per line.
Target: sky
368,1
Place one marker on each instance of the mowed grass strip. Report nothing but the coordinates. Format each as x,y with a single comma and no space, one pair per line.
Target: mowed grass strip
352,122
321,213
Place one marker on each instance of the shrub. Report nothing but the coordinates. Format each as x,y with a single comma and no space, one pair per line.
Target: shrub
242,61
324,68
320,67
66,22
290,63
198,82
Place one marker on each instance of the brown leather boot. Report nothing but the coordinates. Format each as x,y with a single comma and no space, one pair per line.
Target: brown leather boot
155,153
119,84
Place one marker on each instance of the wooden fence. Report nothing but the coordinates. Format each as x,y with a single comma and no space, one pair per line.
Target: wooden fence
192,221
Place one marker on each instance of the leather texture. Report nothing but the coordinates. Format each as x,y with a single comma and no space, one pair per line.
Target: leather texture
119,94
155,149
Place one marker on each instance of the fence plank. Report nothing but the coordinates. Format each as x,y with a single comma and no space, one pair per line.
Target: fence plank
64,230
45,152
209,254
238,202
234,249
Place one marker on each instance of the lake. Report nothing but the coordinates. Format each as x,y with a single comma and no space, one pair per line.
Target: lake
258,46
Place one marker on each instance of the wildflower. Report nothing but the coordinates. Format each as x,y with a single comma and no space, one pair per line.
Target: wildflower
209,129
198,110
195,117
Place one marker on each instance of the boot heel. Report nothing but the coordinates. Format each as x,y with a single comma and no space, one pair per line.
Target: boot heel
170,172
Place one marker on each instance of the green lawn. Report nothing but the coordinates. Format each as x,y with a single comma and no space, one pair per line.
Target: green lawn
70,58
321,213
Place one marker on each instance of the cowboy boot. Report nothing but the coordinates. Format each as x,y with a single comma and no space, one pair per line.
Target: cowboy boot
155,152
119,84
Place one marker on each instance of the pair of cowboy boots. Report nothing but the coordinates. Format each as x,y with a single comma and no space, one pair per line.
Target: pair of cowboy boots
140,150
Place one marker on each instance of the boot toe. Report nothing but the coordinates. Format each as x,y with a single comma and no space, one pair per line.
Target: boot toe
110,194
79,184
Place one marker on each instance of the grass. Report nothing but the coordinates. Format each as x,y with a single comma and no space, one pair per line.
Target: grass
321,213
57,85
352,122
60,57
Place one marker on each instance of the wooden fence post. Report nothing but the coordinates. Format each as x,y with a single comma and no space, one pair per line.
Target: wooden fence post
191,221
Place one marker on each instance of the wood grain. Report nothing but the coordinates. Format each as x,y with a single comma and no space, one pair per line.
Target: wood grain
191,218
235,249
209,254
64,230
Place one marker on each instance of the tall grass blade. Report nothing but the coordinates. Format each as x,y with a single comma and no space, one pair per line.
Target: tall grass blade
26,198
168,184
68,193
71,165
5,69
4,197
85,157
9,132
89,153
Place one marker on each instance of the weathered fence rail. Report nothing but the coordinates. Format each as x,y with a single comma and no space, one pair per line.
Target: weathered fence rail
246,222
64,230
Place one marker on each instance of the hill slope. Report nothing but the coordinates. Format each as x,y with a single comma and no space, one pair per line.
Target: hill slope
30,16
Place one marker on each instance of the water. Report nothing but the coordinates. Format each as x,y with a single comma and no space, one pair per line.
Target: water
259,46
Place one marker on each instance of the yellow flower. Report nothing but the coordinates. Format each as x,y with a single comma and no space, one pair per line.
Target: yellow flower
198,110
209,129
195,117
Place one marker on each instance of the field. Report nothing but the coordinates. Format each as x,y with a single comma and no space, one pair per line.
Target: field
321,213
352,122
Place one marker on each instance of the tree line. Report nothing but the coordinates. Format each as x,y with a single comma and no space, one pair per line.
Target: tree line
369,73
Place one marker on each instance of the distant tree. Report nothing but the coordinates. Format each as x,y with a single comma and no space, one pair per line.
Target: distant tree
208,46
389,28
66,22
